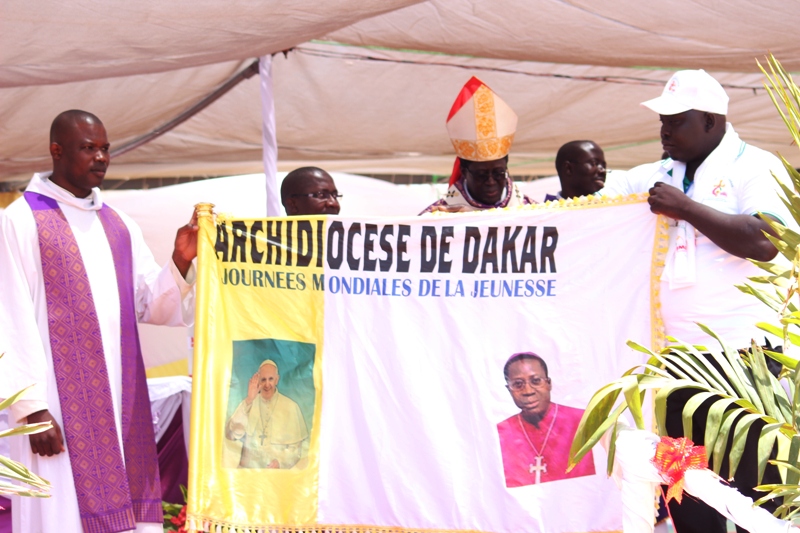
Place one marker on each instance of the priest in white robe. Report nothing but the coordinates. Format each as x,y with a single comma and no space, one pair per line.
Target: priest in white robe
80,153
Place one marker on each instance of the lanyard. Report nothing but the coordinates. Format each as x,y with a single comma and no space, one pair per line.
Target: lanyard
687,182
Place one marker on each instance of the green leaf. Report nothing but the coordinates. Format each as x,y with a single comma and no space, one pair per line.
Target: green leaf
778,281
700,368
776,269
584,439
777,492
688,410
783,402
27,429
14,470
639,348
595,414
793,174
784,464
766,442
677,342
796,395
739,438
658,371
732,367
661,400
792,478
786,360
792,202
778,332
630,388
11,400
791,515
575,455
10,489
749,384
763,382
721,444
774,303
612,450
714,420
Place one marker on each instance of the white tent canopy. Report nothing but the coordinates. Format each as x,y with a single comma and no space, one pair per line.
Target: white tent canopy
369,83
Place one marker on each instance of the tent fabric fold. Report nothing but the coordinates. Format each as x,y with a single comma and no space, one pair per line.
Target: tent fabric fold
372,94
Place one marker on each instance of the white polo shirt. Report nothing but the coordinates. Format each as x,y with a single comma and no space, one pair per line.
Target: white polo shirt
736,178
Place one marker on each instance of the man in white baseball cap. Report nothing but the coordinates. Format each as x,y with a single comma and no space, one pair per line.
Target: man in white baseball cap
690,89
715,190
712,188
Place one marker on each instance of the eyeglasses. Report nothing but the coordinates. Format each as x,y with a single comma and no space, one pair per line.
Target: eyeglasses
319,195
496,174
519,384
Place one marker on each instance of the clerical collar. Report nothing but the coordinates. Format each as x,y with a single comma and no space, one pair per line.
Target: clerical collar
60,189
41,183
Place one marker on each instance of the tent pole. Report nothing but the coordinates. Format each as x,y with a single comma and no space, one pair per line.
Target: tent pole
248,72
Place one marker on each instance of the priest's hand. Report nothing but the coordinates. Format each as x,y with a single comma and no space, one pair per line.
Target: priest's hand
186,245
252,389
47,443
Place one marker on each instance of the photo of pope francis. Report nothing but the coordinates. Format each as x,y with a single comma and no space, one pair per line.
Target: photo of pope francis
269,425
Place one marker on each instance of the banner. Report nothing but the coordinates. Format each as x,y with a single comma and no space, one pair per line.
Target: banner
359,374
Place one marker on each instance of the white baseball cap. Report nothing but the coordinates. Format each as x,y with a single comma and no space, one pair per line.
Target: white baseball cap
690,89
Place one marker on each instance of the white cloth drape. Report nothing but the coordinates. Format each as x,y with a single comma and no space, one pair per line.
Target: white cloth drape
638,478
166,395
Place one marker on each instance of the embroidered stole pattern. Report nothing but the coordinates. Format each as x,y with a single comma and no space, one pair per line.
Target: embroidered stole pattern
112,494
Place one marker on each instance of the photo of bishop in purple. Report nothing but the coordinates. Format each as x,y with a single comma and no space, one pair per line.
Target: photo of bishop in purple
535,442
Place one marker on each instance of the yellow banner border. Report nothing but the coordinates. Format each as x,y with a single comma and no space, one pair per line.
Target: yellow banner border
198,524
660,248
582,202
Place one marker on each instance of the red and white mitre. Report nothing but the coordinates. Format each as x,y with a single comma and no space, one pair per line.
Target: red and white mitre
480,124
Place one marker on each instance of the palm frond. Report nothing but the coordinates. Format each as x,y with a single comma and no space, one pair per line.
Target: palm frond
23,482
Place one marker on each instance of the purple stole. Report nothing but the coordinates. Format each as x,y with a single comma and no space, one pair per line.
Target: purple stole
112,494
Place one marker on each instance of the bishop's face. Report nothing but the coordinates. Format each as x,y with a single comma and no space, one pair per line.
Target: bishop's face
530,388
487,180
268,381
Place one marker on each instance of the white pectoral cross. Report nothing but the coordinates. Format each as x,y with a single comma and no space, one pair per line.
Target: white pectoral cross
539,468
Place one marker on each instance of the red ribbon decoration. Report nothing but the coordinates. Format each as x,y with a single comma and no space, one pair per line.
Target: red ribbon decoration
673,458
456,174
